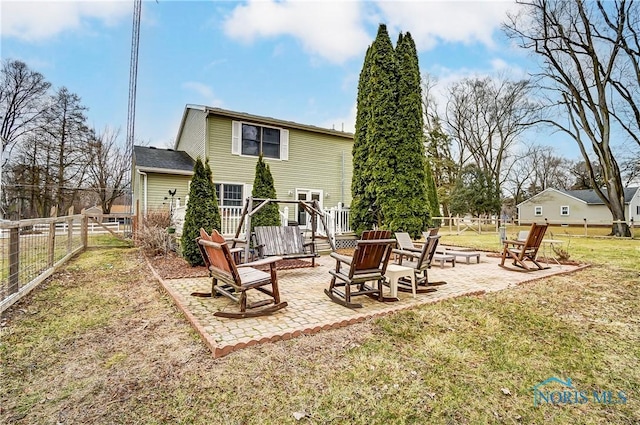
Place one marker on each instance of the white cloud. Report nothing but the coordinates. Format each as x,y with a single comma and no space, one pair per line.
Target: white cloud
431,22
332,30
38,20
204,92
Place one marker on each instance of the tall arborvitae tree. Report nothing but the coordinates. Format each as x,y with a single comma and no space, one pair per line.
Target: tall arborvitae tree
361,214
382,132
376,134
202,211
264,188
407,207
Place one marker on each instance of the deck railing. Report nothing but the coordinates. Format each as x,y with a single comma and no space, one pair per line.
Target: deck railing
337,220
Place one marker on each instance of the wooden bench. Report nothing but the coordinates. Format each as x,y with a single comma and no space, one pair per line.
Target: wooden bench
283,241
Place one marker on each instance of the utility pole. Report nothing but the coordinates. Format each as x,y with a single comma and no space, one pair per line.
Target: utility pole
133,80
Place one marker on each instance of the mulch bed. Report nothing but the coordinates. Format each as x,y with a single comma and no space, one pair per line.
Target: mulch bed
172,266
545,260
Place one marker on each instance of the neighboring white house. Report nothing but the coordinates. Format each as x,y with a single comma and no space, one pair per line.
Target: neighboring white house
574,206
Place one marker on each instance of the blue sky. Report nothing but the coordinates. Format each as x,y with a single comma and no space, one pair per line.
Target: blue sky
292,60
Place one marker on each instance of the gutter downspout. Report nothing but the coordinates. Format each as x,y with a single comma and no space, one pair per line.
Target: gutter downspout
144,210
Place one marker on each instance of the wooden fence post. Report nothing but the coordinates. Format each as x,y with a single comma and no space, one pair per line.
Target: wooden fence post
52,237
84,230
70,230
586,233
14,259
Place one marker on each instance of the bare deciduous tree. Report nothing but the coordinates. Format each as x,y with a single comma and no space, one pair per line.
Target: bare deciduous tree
588,52
66,138
485,117
535,169
107,168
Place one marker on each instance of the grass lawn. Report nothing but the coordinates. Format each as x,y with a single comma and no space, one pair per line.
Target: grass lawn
99,342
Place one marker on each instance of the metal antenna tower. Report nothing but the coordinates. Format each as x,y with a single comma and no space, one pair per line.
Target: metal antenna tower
133,80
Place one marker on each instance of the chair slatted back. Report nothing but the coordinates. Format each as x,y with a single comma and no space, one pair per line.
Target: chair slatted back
431,232
404,240
372,252
427,253
536,234
218,258
279,240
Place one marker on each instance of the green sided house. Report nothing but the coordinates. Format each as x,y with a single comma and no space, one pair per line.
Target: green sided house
307,163
575,206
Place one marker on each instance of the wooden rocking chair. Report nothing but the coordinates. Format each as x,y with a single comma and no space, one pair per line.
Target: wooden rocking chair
520,251
233,281
420,261
368,264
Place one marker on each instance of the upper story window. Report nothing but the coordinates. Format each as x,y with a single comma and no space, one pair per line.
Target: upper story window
564,210
537,210
252,140
256,140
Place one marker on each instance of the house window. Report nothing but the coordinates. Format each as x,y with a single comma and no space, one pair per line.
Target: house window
537,210
229,195
564,210
256,140
252,139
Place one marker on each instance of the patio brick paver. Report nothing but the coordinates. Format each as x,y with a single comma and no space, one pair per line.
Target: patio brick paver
310,310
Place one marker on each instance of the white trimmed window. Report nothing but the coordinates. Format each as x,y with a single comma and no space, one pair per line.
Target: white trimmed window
229,195
564,210
537,210
249,139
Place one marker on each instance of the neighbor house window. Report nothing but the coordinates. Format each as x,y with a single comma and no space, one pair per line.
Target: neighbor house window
229,195
257,140
537,210
564,210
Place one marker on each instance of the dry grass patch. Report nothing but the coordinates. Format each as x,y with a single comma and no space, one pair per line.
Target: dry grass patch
100,343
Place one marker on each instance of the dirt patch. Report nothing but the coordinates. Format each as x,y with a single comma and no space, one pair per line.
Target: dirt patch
546,260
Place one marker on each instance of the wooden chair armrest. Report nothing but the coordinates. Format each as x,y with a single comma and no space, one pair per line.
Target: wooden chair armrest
509,242
342,258
406,253
413,249
240,240
261,262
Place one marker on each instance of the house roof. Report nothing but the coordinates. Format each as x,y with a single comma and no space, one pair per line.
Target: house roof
591,197
588,196
243,116
149,158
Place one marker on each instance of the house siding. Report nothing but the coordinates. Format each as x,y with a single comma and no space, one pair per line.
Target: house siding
192,138
315,162
552,200
158,186
634,207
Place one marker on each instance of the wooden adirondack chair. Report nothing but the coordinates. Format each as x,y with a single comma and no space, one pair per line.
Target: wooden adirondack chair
368,264
420,261
233,281
521,251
